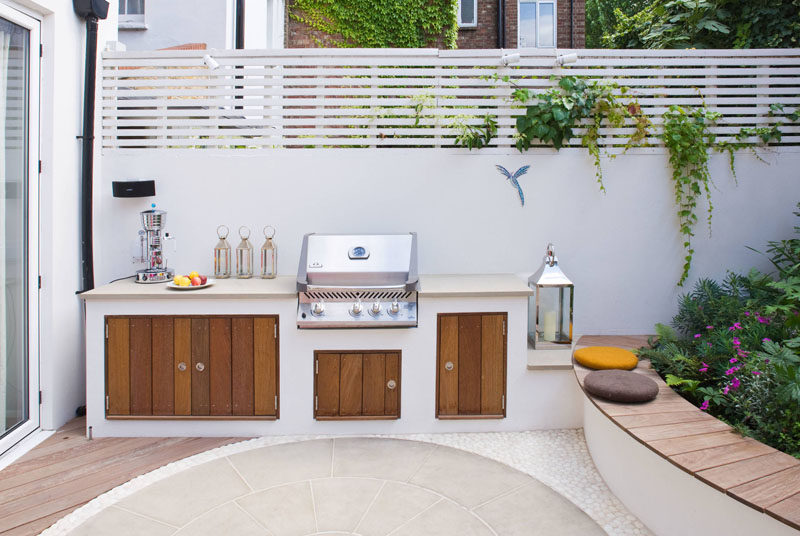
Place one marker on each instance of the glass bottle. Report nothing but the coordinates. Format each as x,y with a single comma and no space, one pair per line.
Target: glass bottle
244,255
222,254
269,254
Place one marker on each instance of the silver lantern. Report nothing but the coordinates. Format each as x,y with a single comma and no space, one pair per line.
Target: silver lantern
550,306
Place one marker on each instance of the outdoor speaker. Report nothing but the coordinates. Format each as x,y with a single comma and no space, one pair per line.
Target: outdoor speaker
93,8
146,188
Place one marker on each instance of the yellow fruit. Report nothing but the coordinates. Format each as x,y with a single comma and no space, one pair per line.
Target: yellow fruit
185,282
193,274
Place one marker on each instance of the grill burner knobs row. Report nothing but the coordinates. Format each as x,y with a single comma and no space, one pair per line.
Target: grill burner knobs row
318,308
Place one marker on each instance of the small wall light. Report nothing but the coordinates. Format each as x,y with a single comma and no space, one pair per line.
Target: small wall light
566,58
510,58
210,62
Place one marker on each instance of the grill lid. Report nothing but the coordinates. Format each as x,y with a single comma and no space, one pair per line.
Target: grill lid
374,260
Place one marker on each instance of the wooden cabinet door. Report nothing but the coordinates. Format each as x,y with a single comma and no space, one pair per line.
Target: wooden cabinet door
192,367
356,385
471,365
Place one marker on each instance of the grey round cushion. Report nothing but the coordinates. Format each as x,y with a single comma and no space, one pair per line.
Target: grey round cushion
620,386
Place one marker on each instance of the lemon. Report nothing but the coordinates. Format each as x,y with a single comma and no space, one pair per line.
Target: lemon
193,274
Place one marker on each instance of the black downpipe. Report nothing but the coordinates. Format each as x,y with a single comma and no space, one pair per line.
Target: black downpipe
501,23
92,11
239,31
571,22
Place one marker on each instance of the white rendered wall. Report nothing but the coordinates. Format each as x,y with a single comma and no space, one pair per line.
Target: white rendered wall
177,22
666,499
61,355
621,249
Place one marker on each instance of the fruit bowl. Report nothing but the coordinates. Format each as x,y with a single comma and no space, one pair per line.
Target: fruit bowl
193,281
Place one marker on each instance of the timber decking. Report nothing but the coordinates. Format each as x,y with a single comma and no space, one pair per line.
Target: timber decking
66,471
704,447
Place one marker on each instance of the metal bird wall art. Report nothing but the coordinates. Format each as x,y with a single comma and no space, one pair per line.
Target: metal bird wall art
513,178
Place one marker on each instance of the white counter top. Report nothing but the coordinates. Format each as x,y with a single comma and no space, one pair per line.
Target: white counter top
431,286
476,285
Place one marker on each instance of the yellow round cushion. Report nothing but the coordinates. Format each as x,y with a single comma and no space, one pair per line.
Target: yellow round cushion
606,357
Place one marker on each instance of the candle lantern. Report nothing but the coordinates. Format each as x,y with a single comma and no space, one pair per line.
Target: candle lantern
550,306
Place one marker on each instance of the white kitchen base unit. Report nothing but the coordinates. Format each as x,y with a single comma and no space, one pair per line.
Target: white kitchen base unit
229,360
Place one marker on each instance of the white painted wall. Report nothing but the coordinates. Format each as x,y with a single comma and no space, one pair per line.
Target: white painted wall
621,249
61,313
176,22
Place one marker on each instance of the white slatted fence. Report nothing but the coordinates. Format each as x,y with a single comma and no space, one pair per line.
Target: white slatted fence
407,98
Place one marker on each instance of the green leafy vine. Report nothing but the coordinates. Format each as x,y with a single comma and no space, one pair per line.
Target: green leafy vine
381,24
475,137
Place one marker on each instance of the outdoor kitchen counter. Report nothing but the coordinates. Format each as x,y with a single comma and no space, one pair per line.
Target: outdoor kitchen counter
431,286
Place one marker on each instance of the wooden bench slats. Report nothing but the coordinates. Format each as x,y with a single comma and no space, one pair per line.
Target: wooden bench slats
655,419
768,490
714,457
788,511
685,429
743,471
747,470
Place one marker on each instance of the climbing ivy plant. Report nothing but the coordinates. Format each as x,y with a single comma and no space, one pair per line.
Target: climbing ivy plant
379,23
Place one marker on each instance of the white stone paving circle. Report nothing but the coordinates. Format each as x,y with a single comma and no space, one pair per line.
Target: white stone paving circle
413,485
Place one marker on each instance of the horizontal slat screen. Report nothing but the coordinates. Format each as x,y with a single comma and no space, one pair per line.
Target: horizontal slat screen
406,98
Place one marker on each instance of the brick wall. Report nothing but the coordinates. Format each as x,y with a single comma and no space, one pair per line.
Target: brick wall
298,35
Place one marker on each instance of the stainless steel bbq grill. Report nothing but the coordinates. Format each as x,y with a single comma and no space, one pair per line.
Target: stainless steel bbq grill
357,281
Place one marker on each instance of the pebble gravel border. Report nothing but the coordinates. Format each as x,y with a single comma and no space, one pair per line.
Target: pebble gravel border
558,458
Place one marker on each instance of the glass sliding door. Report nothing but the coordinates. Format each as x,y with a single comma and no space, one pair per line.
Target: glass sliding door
19,153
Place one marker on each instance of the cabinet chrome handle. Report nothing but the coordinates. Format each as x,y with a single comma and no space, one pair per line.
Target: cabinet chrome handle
449,366
200,367
391,384
181,366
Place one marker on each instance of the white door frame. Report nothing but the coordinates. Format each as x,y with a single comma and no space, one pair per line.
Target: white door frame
32,424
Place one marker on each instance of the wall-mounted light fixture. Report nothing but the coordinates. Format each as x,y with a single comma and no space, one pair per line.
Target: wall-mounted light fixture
566,58
210,62
510,58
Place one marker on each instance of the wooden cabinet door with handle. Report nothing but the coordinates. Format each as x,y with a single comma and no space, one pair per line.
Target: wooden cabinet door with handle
199,367
352,385
471,366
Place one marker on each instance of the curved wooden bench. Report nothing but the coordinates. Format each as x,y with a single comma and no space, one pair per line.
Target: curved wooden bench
702,446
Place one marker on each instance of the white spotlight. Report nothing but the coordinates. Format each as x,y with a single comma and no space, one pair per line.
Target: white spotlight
566,58
510,58
210,62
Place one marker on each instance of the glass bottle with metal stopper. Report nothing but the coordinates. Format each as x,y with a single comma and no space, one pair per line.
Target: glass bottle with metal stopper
550,307
244,255
222,254
269,254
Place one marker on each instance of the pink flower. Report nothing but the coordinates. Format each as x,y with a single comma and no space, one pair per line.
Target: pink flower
763,320
733,360
725,390
709,327
697,335
756,372
766,361
704,368
736,341
735,383
747,313
709,344
704,405
731,371
766,339
735,326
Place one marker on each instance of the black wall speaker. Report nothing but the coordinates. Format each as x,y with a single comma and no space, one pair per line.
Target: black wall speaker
146,188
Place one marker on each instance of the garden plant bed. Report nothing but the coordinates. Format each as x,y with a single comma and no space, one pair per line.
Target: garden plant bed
702,446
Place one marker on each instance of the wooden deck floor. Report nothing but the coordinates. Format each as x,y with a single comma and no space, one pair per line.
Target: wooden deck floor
66,471
701,445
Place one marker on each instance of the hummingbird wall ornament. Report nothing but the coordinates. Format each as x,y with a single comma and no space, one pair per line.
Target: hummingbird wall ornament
513,178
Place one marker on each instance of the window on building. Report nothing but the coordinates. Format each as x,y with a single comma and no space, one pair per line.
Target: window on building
467,13
131,11
537,24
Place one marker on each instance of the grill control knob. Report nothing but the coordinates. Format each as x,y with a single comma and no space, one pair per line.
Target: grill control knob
376,308
318,308
394,308
357,308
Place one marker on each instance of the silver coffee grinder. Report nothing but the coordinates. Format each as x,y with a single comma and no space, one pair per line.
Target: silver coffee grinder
153,222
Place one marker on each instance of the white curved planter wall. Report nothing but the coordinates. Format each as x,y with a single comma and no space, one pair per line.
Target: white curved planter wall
665,498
